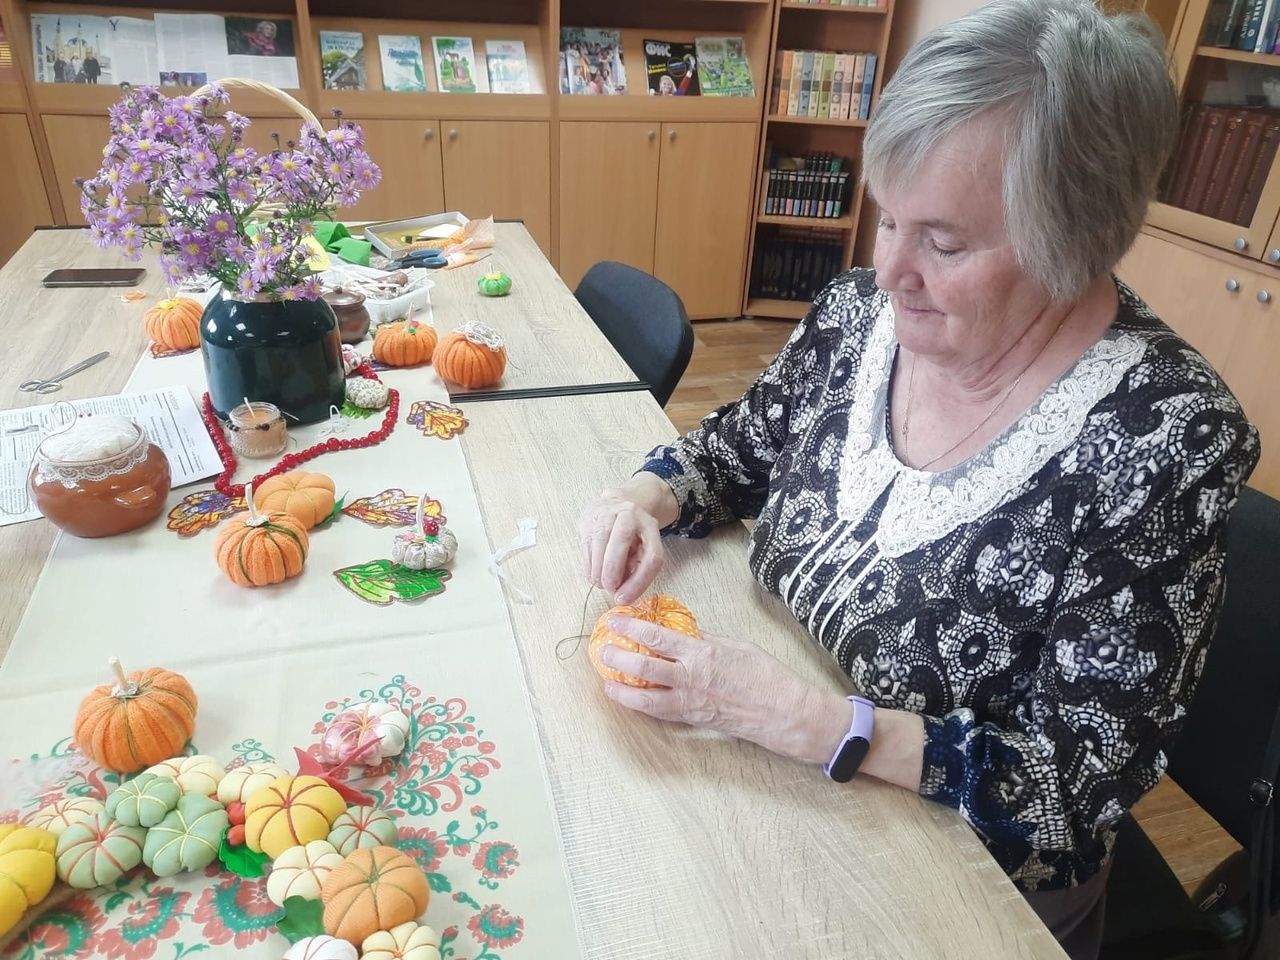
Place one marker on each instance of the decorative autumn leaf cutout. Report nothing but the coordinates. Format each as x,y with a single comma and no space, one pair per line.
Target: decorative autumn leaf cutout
392,508
202,510
242,861
349,409
436,419
382,582
302,918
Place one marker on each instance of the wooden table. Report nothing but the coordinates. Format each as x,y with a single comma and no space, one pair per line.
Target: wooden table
677,842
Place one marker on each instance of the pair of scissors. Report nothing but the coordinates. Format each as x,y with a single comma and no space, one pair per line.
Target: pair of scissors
428,257
54,384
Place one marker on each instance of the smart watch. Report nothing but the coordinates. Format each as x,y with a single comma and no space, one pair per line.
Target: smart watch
853,748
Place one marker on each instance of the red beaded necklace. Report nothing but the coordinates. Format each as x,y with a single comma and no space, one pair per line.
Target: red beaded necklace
291,460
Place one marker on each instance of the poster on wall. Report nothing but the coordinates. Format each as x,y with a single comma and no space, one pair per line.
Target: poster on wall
74,48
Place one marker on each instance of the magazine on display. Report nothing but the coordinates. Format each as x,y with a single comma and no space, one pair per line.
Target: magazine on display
723,67
593,61
671,68
455,64
402,70
342,60
508,66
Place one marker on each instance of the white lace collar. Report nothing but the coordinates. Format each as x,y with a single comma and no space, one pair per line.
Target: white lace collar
924,507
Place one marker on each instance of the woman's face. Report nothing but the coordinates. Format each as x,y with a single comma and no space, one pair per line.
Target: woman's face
944,257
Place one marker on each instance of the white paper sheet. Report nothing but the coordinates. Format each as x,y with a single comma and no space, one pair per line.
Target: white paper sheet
169,416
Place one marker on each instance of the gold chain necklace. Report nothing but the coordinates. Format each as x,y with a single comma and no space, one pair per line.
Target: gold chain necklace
911,382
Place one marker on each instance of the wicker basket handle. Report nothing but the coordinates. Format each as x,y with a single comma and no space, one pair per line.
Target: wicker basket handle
275,93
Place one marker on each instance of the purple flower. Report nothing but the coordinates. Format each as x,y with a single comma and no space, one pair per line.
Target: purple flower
241,191
292,292
221,226
367,174
246,286
311,287
146,148
193,191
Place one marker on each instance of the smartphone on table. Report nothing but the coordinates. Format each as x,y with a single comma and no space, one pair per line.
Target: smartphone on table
116,277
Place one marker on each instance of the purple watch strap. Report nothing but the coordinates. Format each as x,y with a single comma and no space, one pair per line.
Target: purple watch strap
848,755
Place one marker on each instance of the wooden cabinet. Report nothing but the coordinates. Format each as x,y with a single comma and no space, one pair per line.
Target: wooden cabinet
672,199
608,195
500,167
76,146
27,206
1228,311
704,211
412,173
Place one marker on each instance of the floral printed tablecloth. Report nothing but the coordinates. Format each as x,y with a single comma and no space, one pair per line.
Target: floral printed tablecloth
271,667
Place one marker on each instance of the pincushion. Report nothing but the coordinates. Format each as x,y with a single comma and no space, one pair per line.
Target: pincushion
664,611
374,889
143,801
197,774
321,948
290,811
27,871
362,827
243,782
136,721
368,394
188,838
62,813
365,733
98,852
91,438
300,871
408,941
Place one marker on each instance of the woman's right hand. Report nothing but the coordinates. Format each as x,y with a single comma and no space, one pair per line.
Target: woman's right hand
620,540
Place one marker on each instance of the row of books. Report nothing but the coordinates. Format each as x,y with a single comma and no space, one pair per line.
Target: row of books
342,63
841,3
823,84
815,185
1223,160
1250,25
591,62
796,263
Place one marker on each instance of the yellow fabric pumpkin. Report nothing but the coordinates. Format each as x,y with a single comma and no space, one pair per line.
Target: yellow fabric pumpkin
27,871
307,497
290,812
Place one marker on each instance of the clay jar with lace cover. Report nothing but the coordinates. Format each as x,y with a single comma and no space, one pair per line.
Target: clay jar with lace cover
101,477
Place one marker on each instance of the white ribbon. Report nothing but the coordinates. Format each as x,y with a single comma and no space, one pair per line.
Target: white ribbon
526,538
335,424
482,335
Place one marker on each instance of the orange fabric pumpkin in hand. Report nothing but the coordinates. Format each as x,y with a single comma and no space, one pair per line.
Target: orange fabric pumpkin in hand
307,497
174,323
138,721
664,611
262,550
473,356
376,888
404,343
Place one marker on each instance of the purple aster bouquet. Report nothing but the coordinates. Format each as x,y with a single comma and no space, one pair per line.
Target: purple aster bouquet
177,175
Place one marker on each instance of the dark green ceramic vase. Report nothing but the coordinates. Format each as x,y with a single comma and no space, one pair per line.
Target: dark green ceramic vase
286,352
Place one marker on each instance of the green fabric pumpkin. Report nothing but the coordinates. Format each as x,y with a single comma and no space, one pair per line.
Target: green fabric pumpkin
143,801
98,852
494,284
188,838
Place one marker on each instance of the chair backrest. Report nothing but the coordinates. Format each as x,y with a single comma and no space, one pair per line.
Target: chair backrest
644,320
1220,750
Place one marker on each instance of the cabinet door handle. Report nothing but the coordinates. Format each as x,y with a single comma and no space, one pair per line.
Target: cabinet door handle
1264,297
653,134
428,134
671,135
1274,256
1233,285
1241,244
453,134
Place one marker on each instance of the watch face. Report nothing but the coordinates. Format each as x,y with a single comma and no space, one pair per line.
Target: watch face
848,759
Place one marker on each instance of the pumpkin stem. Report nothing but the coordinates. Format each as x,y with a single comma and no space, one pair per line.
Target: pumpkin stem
124,688
422,501
255,519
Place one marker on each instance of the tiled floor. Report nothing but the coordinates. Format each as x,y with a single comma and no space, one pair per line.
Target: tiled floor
727,357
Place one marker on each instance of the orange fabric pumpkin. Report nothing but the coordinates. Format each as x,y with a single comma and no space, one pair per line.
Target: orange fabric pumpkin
376,888
404,343
126,733
664,611
307,497
473,356
262,550
174,323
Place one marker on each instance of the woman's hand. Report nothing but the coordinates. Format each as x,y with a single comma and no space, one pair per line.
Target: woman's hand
619,536
730,686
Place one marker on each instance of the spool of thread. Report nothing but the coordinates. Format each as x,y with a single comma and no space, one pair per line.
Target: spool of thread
257,430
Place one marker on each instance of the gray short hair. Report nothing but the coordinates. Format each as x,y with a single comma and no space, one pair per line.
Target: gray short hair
1093,116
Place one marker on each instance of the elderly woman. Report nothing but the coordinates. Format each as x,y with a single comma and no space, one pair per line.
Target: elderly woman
987,478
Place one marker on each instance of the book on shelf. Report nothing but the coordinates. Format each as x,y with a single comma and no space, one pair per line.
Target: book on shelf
507,65
795,263
593,61
723,68
342,65
402,68
816,185
1250,25
824,84
1223,160
455,64
671,68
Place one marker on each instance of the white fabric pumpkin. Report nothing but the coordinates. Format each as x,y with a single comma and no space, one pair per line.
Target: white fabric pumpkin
365,723
240,783
62,813
300,871
409,941
198,775
321,948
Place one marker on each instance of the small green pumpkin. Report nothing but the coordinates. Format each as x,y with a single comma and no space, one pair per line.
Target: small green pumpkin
494,284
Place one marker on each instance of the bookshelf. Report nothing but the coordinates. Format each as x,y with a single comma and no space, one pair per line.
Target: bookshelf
806,26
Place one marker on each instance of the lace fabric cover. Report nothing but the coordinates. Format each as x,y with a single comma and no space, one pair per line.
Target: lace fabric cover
923,507
94,448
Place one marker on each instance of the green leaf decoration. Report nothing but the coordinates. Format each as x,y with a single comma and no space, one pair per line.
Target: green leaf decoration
302,918
383,582
333,514
242,861
349,409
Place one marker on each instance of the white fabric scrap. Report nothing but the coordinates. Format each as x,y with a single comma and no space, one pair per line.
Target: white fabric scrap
523,540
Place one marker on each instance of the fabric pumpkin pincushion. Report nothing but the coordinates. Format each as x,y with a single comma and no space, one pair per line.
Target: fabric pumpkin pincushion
291,811
307,497
262,550
664,611
137,721
473,356
174,323
27,871
373,889
404,343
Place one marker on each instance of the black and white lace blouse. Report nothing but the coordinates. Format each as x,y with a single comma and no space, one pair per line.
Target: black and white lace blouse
1046,605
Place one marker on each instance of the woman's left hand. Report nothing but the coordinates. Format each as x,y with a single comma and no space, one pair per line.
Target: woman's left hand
727,685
